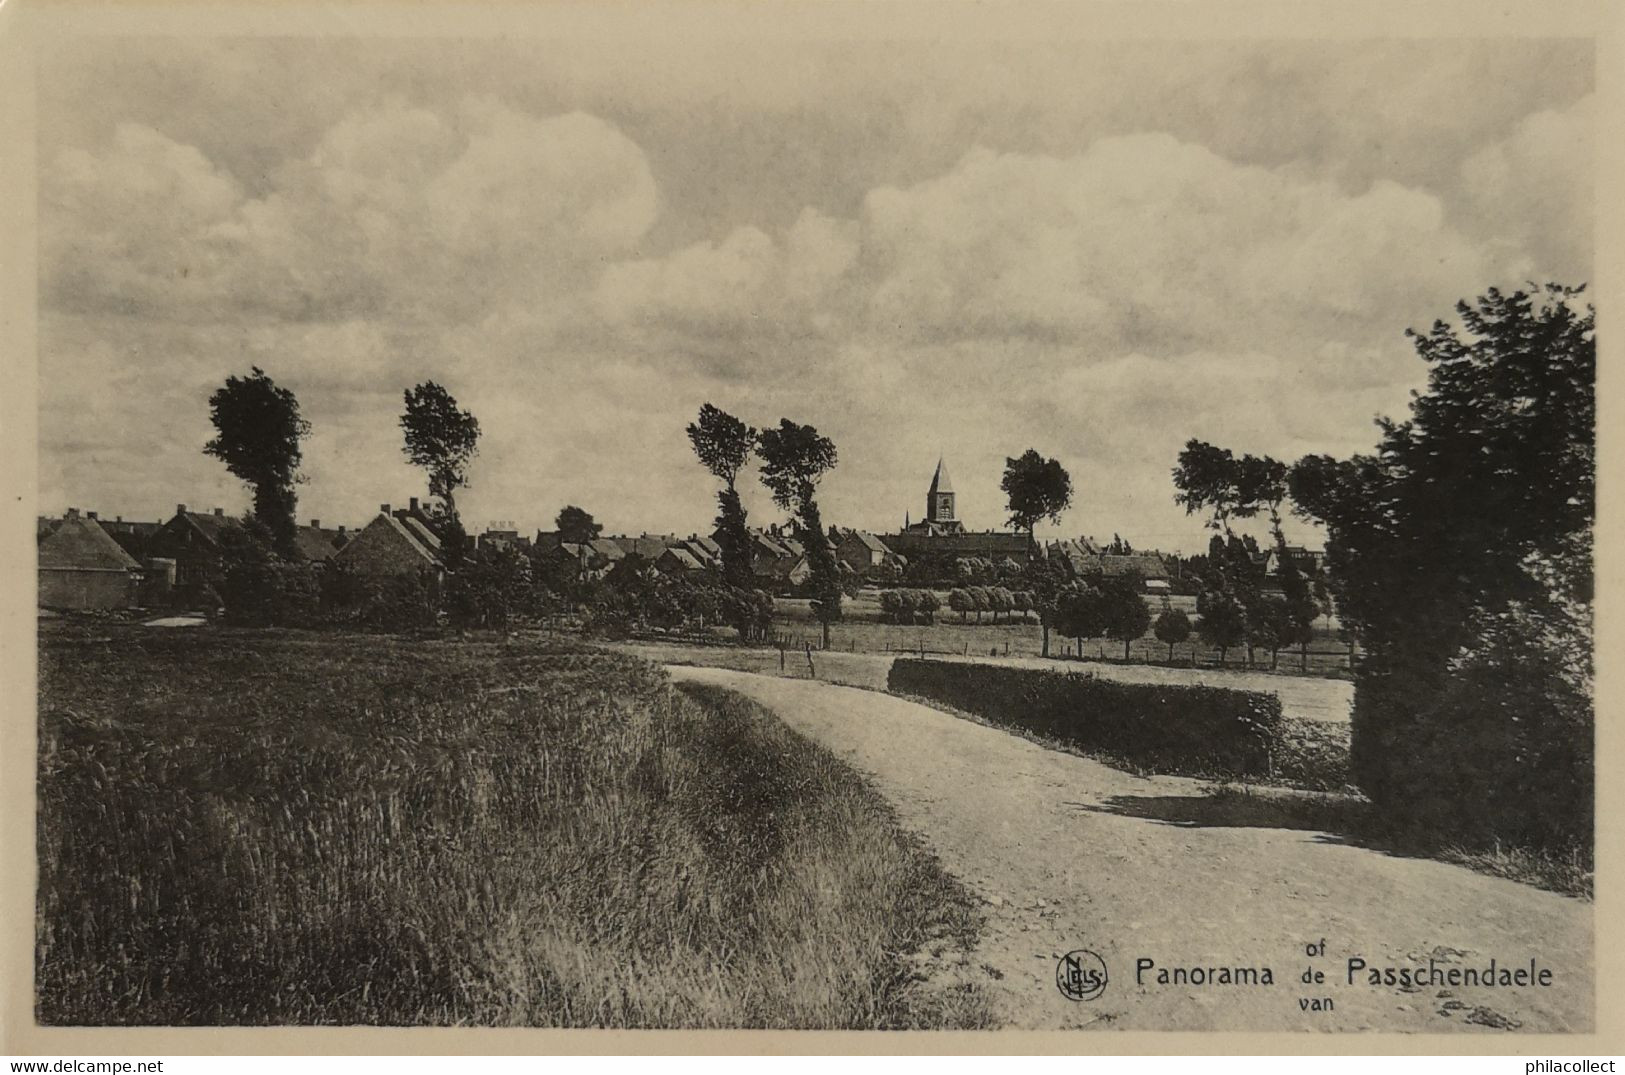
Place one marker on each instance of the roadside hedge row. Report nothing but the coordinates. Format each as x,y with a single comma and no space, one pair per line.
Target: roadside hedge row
1194,730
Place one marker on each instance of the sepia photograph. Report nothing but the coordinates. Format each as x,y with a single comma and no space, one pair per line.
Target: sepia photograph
728,524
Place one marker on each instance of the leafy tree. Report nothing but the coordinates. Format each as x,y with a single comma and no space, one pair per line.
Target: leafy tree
1023,603
1001,600
1172,627
794,459
1221,621
1126,616
576,526
1081,613
440,439
981,600
1046,579
960,601
258,430
1205,478
1461,553
926,604
1036,489
723,444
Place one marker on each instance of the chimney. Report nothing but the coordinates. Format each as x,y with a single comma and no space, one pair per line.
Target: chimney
90,515
180,509
72,513
118,518
412,505
383,509
219,512
315,524
341,529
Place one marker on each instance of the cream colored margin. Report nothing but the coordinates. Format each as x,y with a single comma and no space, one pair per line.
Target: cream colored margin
27,24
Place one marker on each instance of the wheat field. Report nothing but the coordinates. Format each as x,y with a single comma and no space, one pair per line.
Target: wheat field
273,828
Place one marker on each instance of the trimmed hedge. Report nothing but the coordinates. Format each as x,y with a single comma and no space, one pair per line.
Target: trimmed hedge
1208,731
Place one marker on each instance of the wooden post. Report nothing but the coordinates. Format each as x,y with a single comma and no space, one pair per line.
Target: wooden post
811,671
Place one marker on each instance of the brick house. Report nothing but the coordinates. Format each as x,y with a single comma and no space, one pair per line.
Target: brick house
192,540
82,567
391,545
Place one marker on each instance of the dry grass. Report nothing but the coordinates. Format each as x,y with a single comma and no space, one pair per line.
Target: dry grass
262,828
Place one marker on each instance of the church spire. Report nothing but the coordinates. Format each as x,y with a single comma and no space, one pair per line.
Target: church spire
939,501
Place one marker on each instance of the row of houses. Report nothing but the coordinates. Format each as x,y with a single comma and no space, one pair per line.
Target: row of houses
86,562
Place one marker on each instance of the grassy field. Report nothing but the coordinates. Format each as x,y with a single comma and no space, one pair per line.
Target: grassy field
272,828
860,630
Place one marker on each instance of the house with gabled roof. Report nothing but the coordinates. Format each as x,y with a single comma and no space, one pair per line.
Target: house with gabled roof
317,544
82,567
391,545
133,537
677,560
860,548
192,539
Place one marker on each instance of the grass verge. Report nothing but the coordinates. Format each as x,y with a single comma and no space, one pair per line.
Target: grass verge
269,828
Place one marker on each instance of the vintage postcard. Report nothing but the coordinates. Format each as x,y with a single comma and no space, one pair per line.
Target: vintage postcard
768,522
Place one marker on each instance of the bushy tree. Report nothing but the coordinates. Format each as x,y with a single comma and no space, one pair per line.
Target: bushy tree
1081,613
258,435
794,459
1046,580
259,588
959,600
1460,553
576,526
1172,627
1221,620
999,600
1035,489
491,589
1126,616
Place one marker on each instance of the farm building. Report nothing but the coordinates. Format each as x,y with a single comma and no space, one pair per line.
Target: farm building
81,567
133,537
1309,561
317,544
677,560
861,549
390,545
1083,558
192,539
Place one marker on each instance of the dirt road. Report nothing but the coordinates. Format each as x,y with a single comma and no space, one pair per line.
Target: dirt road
1070,854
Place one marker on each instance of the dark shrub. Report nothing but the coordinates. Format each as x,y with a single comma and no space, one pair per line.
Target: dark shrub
1499,749
270,593
1196,730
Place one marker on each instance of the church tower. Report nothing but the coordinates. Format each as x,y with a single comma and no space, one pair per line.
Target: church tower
939,502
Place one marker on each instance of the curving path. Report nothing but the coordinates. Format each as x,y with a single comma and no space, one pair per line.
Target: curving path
1067,853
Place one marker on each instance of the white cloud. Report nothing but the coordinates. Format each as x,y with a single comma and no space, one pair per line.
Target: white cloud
1145,241
747,278
397,209
1532,190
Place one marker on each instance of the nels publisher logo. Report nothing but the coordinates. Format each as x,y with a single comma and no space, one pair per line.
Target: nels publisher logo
1081,975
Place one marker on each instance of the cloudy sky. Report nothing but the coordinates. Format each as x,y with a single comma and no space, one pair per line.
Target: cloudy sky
1095,249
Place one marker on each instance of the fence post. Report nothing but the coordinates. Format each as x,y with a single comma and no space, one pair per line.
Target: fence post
811,671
